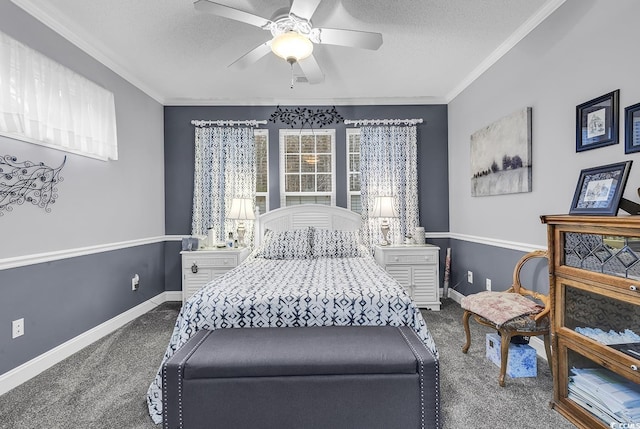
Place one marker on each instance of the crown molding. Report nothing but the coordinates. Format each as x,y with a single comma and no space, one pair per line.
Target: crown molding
521,32
373,101
49,16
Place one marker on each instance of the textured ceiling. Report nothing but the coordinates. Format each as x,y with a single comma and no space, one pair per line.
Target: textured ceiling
431,49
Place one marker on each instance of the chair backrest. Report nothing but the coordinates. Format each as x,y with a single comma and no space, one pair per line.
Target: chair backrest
517,287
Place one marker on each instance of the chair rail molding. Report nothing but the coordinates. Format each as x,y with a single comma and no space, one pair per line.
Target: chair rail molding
38,258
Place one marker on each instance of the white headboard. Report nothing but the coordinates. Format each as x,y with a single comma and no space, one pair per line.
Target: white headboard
301,216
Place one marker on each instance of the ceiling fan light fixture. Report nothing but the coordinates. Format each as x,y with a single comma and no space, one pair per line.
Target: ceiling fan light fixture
291,46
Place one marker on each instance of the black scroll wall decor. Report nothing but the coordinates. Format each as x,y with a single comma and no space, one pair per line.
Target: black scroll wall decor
301,116
28,182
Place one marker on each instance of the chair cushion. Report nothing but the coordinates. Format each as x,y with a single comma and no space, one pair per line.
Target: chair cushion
500,307
526,323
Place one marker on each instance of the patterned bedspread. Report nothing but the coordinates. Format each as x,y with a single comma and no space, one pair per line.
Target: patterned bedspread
294,292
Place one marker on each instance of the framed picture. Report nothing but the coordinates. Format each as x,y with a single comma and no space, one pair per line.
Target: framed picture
632,129
599,189
501,156
597,122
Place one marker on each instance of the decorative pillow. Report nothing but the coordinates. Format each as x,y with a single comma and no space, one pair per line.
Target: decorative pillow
290,244
335,244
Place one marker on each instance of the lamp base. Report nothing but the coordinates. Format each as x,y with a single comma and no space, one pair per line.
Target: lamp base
384,228
241,230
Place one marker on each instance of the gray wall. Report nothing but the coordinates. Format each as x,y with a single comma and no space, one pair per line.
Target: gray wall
60,300
583,50
179,156
99,203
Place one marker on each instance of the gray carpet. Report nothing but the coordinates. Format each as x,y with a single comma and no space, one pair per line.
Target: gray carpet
104,385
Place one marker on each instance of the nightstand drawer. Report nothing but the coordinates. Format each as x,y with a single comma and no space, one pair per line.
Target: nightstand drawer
212,261
202,266
399,258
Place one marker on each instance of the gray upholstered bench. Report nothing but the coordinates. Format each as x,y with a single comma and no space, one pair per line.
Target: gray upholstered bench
316,377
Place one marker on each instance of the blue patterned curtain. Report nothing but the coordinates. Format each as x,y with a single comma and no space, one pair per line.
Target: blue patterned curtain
225,168
388,167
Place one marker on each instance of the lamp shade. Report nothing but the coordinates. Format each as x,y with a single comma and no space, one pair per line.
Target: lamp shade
242,209
383,207
292,46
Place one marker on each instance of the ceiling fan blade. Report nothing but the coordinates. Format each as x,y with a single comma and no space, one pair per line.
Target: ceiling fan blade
311,69
304,8
252,56
229,12
352,38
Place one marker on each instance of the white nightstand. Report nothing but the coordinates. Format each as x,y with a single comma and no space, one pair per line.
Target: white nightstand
416,268
201,266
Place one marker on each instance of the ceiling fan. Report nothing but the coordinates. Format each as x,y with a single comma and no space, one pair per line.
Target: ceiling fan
293,35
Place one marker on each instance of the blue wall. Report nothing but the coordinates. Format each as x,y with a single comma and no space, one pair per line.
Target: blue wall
60,300
179,155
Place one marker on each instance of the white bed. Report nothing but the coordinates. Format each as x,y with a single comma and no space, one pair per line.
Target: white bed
284,282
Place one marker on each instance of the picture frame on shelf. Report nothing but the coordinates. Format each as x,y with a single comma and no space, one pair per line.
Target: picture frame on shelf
597,122
600,189
632,129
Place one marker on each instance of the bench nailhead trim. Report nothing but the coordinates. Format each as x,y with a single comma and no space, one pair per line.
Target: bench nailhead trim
421,370
181,376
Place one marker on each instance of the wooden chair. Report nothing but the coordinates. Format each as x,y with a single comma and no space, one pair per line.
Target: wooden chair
512,312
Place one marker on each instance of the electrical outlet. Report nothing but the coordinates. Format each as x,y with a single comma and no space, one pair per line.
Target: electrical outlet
135,282
488,284
17,328
470,276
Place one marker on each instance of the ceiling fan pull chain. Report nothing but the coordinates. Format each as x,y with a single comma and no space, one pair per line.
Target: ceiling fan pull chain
291,74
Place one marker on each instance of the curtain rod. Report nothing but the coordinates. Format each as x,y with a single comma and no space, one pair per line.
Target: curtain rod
225,123
365,122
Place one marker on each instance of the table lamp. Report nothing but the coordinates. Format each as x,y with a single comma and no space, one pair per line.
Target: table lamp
241,210
383,208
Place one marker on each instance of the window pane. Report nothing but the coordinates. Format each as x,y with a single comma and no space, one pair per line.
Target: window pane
354,143
297,200
325,199
292,144
354,162
292,164
308,164
354,181
308,183
261,183
308,144
323,144
261,203
356,205
324,182
292,183
324,164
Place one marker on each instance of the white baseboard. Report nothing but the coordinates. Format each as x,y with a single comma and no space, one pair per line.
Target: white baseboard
173,295
455,295
534,342
35,366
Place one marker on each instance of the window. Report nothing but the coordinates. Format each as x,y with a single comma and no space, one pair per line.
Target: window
307,166
44,103
261,141
353,170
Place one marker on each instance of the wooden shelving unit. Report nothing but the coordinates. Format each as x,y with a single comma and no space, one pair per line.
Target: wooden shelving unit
594,275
